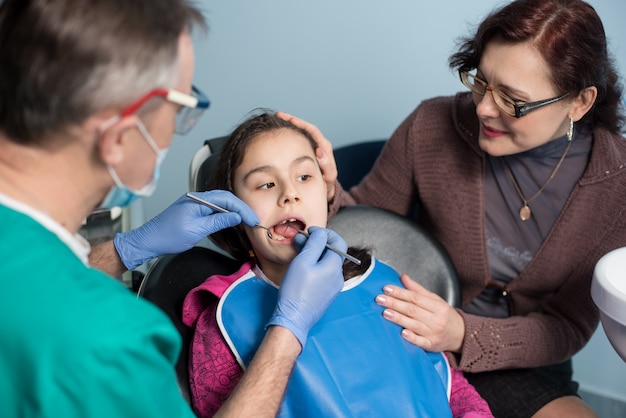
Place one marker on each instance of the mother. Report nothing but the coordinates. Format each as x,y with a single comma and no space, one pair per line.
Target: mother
523,181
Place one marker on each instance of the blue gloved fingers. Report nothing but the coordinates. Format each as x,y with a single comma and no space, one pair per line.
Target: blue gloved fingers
333,239
300,240
210,224
180,226
123,245
329,258
229,201
312,281
333,265
315,244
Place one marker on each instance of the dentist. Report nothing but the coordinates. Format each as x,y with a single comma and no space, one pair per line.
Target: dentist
91,92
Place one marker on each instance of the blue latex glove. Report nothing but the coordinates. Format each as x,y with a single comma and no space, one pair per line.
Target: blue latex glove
313,280
181,226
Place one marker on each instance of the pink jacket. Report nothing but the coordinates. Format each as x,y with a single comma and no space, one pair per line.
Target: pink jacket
214,371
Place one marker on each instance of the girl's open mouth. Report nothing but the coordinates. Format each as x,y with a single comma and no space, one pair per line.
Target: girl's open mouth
286,229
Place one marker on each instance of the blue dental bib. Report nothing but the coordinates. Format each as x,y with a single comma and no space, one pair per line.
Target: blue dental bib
354,364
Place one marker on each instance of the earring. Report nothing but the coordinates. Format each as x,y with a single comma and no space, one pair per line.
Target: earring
251,253
570,132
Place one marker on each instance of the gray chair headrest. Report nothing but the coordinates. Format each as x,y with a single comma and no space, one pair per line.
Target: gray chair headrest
400,243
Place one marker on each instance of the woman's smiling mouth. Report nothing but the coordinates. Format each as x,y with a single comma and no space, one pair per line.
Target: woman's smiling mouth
490,132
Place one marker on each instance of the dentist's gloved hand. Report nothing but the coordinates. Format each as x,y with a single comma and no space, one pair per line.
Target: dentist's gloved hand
181,226
313,280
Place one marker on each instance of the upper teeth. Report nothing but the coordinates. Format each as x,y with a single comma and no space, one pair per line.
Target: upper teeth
278,237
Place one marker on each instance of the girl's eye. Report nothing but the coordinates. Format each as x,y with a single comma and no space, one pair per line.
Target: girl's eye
304,177
266,186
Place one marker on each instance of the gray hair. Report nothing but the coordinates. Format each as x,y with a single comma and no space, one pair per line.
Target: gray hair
63,60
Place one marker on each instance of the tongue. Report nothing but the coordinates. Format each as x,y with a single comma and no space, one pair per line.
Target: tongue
288,230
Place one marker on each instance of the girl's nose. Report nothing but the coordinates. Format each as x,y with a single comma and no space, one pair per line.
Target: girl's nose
290,195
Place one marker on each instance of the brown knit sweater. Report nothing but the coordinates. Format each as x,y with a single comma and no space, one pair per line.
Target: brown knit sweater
433,157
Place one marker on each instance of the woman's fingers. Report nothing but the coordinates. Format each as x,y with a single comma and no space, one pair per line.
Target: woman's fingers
427,320
414,330
324,153
406,308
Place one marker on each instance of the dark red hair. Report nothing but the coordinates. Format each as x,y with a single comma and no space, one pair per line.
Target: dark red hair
570,37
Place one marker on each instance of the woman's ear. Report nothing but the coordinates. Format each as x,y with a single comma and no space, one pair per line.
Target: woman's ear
583,102
111,135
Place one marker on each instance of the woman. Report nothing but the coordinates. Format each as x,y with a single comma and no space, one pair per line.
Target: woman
523,182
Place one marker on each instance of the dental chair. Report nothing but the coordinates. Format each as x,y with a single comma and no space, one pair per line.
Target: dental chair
394,239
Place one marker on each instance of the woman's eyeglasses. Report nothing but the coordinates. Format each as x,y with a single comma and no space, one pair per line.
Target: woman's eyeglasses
505,103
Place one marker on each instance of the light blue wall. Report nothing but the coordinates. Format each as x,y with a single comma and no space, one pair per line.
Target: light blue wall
356,68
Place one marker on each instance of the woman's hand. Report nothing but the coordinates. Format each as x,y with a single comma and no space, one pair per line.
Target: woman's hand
427,320
324,152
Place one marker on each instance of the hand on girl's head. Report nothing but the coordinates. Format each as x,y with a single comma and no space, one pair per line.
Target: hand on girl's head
324,152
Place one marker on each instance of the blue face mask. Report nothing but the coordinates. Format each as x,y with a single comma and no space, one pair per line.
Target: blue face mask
120,194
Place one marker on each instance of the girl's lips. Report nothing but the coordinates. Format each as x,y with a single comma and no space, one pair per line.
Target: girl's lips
490,132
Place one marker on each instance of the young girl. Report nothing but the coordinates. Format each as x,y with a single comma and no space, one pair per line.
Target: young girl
354,363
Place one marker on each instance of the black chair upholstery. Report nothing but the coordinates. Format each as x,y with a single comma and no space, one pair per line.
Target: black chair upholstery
168,281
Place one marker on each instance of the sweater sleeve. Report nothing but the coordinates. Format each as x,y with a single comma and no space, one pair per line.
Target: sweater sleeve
554,332
390,184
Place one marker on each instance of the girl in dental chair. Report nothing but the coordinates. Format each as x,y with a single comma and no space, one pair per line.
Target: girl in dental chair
354,363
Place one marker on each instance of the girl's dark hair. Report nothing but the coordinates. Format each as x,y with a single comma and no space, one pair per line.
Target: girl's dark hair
570,37
234,240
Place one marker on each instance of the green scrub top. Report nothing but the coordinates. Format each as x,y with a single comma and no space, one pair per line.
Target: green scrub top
73,341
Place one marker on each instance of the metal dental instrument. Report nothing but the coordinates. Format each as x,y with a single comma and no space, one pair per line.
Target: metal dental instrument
330,247
306,234
221,209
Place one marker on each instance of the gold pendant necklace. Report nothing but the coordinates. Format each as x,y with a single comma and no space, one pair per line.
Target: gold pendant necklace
525,213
